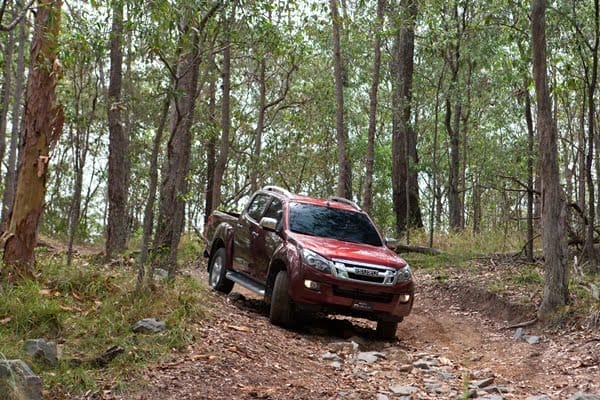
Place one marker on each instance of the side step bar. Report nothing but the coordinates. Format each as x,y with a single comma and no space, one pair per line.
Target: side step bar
245,282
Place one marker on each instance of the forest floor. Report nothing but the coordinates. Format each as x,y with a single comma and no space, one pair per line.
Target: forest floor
457,343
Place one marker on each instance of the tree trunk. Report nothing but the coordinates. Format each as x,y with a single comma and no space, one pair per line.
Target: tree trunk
6,91
175,180
11,168
589,251
344,187
221,163
260,126
404,156
453,117
211,145
149,208
118,157
553,207
530,174
43,125
372,130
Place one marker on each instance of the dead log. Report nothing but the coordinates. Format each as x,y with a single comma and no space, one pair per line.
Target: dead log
403,248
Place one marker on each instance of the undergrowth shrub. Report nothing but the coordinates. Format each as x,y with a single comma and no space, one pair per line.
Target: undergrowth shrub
88,308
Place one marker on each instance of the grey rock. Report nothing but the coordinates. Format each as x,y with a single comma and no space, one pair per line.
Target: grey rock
160,274
369,356
434,387
381,396
425,363
336,365
149,325
584,396
539,397
17,374
405,368
532,339
519,333
482,383
403,390
42,350
491,397
329,356
499,389
447,376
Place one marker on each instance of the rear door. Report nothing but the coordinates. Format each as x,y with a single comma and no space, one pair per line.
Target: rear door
265,242
247,229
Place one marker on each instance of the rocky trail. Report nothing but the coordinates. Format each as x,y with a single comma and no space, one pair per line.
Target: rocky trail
449,348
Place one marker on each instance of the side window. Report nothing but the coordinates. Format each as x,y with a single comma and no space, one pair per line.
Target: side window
275,210
256,207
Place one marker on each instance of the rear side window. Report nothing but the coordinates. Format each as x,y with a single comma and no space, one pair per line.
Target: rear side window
257,206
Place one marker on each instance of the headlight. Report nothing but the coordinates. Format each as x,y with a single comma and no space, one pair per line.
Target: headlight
315,260
404,274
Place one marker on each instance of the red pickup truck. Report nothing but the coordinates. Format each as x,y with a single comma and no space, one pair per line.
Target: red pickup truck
310,255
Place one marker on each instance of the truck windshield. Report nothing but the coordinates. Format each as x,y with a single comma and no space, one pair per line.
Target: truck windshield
333,223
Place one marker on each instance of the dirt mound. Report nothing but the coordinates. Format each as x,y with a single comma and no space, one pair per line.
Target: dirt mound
492,305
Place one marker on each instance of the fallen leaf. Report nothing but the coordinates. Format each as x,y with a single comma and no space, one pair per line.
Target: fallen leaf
5,321
240,328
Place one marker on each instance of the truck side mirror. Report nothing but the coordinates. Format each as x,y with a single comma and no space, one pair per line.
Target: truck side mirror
269,224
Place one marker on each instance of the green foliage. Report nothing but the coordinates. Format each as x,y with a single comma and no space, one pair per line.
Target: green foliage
88,308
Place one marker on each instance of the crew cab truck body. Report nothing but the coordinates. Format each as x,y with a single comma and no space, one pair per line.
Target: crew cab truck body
310,255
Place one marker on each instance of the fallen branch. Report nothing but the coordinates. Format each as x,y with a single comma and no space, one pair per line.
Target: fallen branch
522,324
402,248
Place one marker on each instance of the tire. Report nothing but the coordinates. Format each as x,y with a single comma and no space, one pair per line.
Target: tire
386,330
216,273
282,307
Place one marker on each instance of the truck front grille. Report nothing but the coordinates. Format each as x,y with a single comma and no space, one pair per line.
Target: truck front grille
362,272
357,294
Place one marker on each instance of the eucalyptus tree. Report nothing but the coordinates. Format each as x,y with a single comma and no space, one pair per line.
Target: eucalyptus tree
556,292
344,186
118,160
221,161
404,141
174,188
374,89
43,126
17,112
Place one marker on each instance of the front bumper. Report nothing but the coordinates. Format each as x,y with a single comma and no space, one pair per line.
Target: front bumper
335,296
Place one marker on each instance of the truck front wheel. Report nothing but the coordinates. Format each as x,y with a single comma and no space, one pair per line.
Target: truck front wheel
282,307
386,330
216,273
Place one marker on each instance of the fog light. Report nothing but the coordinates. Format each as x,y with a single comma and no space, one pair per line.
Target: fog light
404,298
312,285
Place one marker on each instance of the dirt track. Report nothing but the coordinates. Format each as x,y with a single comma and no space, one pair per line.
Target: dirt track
443,351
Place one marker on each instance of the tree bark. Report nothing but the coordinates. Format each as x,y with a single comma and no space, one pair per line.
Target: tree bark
589,250
211,145
43,125
11,168
530,174
221,163
453,117
6,91
344,187
553,207
372,130
152,188
404,150
175,179
118,157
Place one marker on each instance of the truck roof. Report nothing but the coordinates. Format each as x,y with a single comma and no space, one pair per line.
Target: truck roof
333,202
